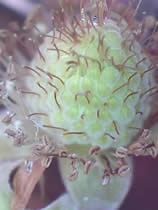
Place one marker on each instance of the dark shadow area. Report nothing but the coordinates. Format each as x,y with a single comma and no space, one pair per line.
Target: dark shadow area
144,190
54,187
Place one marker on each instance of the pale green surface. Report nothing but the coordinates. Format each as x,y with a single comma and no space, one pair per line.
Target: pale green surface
8,151
87,91
5,198
89,193
62,203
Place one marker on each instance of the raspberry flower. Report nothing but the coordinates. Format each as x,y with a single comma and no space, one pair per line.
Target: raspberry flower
82,95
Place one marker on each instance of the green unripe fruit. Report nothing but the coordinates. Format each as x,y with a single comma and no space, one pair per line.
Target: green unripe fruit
90,80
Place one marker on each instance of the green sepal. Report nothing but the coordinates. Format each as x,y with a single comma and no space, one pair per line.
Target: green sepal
64,202
89,193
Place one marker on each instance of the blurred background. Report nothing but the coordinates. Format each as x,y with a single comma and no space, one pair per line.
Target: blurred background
143,194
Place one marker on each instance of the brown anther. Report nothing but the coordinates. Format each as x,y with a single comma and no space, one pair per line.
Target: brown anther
121,152
74,163
19,138
123,170
87,166
152,151
10,132
7,119
136,149
63,154
146,134
44,148
106,177
37,150
93,150
73,176
72,156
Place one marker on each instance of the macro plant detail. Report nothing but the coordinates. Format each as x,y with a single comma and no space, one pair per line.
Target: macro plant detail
77,88
89,82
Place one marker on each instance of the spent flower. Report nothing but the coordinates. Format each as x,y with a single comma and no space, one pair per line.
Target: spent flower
79,88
